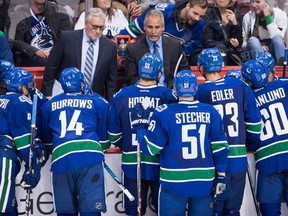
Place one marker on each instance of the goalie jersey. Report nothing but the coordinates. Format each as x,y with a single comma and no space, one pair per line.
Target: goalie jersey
272,152
120,132
76,124
192,146
235,102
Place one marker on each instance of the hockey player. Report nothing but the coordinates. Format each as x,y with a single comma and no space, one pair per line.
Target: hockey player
15,133
192,148
235,102
76,123
122,135
5,68
267,59
271,155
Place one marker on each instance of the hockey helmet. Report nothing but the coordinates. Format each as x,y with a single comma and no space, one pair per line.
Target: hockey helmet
211,60
17,78
267,59
71,80
185,83
5,68
255,72
234,73
149,66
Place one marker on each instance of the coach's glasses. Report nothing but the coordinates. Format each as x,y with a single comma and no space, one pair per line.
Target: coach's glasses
95,27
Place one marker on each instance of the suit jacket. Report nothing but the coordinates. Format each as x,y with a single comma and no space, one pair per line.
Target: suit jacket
171,52
67,53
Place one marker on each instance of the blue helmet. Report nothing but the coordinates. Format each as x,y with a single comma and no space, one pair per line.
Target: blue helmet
234,73
5,68
211,60
255,72
71,79
17,78
149,66
267,59
185,83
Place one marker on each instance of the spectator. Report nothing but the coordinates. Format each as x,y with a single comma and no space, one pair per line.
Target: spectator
182,21
241,121
264,28
271,155
115,19
192,148
72,50
4,17
5,51
36,34
168,48
122,135
223,30
77,151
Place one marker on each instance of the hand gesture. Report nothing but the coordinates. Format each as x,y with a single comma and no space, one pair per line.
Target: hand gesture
234,42
134,9
266,9
230,16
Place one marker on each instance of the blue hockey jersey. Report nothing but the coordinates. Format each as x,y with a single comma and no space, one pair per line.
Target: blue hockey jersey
272,153
15,127
235,102
192,146
121,134
190,36
76,124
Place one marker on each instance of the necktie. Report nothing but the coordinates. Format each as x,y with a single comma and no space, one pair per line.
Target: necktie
162,76
155,49
89,63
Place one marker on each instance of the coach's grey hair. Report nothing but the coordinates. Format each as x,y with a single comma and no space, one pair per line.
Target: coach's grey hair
94,12
155,13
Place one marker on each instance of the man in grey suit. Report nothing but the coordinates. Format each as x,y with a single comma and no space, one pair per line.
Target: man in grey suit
168,48
80,48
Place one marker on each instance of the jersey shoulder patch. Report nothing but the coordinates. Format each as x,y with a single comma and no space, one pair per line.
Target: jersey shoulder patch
25,99
161,108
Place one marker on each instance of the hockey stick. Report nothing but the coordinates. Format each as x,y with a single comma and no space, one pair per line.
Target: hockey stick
31,149
253,191
178,63
139,198
112,174
285,59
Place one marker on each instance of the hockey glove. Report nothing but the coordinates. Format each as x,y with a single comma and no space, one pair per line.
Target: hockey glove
31,177
41,152
140,117
220,191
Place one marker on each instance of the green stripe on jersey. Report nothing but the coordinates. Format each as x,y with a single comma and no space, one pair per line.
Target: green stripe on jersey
6,178
22,141
189,174
131,158
134,29
237,150
114,137
253,127
271,150
219,145
75,146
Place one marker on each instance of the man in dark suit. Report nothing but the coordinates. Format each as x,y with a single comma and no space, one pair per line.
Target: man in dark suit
72,50
168,48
